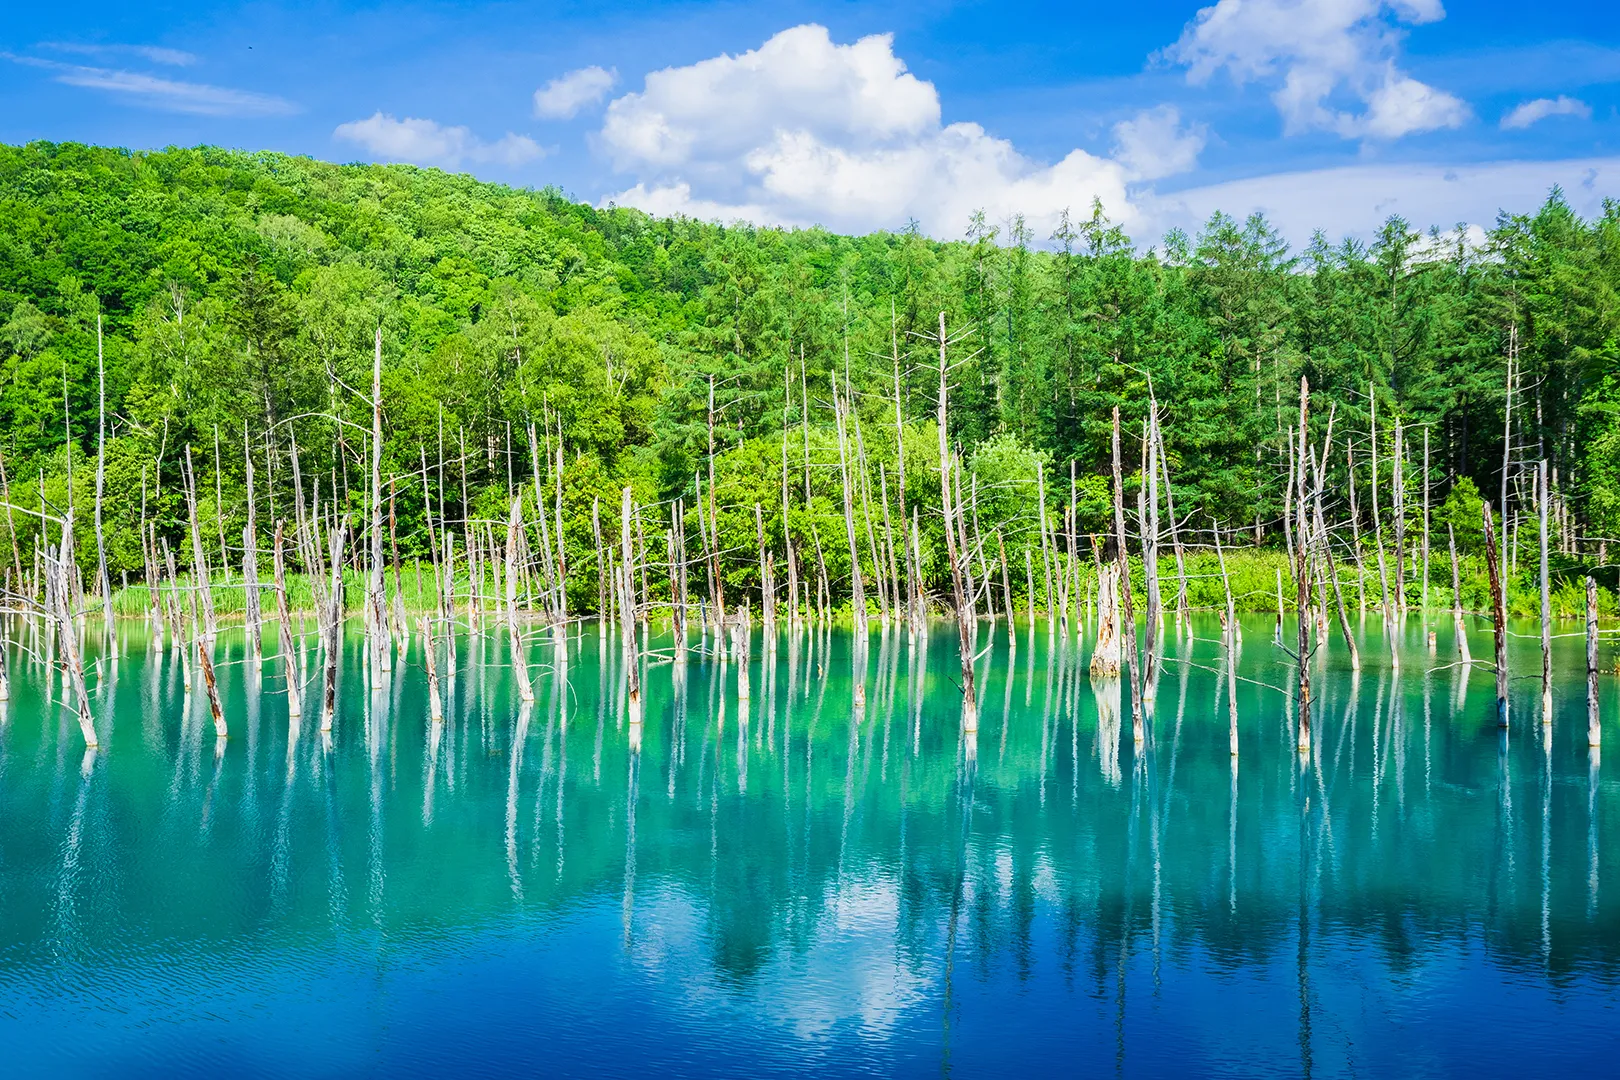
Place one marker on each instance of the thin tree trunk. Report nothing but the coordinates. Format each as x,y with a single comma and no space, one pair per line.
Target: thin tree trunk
1425,600
964,632
1046,556
1378,541
1147,520
205,660
1127,617
677,576
67,637
913,598
251,615
103,583
334,624
1498,617
767,583
1302,578
1182,613
1006,584
857,586
632,670
1459,631
901,605
520,663
204,595
430,661
1398,508
1594,728
1546,601
787,532
289,673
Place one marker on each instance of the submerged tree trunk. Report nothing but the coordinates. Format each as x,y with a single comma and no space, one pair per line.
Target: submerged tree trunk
1459,631
857,587
1498,617
1127,616
289,673
67,638
520,663
1105,653
334,624
627,615
1594,729
251,615
1302,579
1546,601
963,611
430,661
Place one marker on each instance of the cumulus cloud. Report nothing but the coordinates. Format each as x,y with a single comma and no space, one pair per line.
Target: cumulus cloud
805,131
426,142
564,96
1530,112
1320,56
1154,144
170,95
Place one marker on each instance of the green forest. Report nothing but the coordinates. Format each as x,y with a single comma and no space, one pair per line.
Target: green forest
224,305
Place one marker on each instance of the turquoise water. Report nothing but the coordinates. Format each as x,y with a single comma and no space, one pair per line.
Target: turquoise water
798,887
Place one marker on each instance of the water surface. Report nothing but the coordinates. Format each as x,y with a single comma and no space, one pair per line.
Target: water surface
794,885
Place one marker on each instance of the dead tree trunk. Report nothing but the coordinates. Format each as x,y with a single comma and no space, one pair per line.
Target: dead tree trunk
334,625
1147,520
67,637
1302,578
520,663
1594,729
1046,554
377,597
1105,653
1127,616
767,582
964,631
205,596
103,582
857,587
289,672
1498,617
1546,600
1182,612
430,661
206,662
251,615
1458,629
627,617
913,593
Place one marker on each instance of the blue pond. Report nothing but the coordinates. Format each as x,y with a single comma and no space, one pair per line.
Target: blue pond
789,884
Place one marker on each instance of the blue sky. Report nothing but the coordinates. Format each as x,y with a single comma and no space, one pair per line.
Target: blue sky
1322,113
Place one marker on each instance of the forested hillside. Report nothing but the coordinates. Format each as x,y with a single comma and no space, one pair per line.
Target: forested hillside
239,294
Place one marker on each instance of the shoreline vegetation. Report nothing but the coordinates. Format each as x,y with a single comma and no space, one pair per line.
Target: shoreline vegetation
1252,574
267,385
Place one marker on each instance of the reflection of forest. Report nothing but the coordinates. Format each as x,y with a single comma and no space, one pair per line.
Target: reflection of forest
1051,842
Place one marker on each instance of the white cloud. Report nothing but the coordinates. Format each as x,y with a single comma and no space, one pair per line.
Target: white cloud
804,131
155,54
1354,200
1522,116
1153,144
171,95
1321,55
564,96
425,142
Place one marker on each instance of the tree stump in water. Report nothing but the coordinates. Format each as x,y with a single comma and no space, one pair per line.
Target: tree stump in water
1105,656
